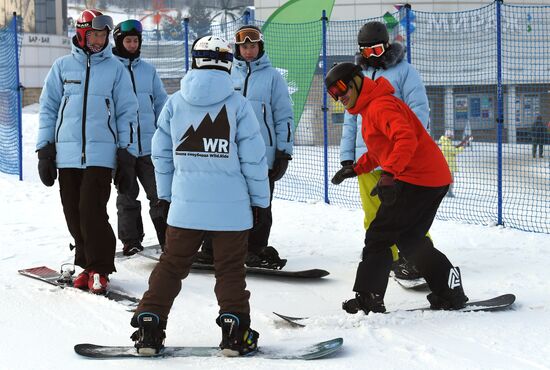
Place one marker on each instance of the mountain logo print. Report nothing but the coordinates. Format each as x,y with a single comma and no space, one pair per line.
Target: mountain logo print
209,139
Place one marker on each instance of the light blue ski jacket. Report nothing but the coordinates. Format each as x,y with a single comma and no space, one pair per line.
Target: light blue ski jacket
87,111
209,155
408,87
267,92
151,97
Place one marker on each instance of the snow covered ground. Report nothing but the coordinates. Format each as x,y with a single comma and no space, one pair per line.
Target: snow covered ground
40,324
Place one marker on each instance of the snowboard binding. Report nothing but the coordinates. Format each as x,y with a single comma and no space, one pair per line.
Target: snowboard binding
67,271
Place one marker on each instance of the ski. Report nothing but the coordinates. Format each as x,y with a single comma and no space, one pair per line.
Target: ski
498,303
311,352
414,284
153,252
57,279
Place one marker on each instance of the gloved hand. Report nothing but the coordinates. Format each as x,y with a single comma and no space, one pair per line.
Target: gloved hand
258,216
125,171
160,220
46,164
279,165
343,173
386,188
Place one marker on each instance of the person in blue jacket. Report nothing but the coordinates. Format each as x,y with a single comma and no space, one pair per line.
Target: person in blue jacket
87,126
380,58
210,166
267,91
148,88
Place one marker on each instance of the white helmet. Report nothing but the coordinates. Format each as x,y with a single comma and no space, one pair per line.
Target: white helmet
212,52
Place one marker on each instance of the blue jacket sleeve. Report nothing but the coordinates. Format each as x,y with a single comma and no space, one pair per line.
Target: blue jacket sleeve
283,116
50,101
162,155
126,106
414,95
349,135
252,156
159,95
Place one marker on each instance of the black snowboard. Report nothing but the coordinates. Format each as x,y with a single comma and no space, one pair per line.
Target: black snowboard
53,277
153,252
314,351
493,304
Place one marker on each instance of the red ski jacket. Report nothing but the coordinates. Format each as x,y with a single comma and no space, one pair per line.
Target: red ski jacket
395,138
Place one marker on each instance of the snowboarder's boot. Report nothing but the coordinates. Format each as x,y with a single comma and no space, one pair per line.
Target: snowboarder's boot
405,269
238,339
98,283
149,338
267,258
368,302
132,247
452,297
81,281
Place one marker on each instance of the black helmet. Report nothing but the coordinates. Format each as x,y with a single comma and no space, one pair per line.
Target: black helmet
344,72
373,33
259,39
130,27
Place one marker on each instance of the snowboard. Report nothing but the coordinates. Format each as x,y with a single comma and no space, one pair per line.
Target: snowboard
153,252
414,284
55,278
314,351
492,304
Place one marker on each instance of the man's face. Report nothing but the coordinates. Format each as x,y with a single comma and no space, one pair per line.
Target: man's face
249,51
131,44
97,38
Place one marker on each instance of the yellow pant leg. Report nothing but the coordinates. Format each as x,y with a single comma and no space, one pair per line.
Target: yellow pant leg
367,181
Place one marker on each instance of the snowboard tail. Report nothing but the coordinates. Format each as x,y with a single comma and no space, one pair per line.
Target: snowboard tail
55,278
314,351
153,252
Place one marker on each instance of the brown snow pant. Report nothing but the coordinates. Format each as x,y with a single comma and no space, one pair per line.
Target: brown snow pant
181,246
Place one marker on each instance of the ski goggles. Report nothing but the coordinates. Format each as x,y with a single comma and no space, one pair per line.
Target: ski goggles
252,34
372,51
131,25
99,23
337,89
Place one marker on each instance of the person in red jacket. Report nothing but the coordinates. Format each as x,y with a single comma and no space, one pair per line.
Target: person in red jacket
414,180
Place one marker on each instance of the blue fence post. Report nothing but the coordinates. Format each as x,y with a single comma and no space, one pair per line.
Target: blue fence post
247,16
18,82
408,30
325,108
500,115
186,42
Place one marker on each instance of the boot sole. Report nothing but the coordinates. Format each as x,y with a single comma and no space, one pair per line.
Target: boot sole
147,351
230,352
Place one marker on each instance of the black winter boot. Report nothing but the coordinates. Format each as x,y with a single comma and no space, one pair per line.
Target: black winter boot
368,302
451,298
268,258
238,339
149,338
405,269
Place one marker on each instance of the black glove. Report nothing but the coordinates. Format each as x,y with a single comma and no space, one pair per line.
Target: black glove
258,216
343,173
46,164
387,189
160,220
125,171
279,165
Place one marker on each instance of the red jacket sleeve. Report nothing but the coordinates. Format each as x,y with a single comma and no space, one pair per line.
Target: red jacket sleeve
365,164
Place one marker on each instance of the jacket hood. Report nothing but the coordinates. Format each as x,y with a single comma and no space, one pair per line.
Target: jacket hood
260,63
98,57
371,90
206,86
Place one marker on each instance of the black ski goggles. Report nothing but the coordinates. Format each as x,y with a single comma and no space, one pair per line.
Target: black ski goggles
131,25
101,22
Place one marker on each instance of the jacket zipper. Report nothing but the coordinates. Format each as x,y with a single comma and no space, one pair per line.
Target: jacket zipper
84,108
153,107
135,92
266,125
108,103
289,132
61,121
248,72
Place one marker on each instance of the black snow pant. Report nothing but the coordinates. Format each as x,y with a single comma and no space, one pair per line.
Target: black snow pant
130,224
406,224
84,196
259,235
175,263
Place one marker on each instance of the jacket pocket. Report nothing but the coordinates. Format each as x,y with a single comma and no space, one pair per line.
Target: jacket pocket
61,120
264,112
108,104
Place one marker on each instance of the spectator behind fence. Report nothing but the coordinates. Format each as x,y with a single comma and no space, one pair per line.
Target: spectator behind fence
450,152
538,134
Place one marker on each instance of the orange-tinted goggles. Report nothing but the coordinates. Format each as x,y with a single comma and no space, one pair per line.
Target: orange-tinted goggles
372,51
250,34
337,89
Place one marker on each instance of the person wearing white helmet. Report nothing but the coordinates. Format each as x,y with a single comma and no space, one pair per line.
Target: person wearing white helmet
210,165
